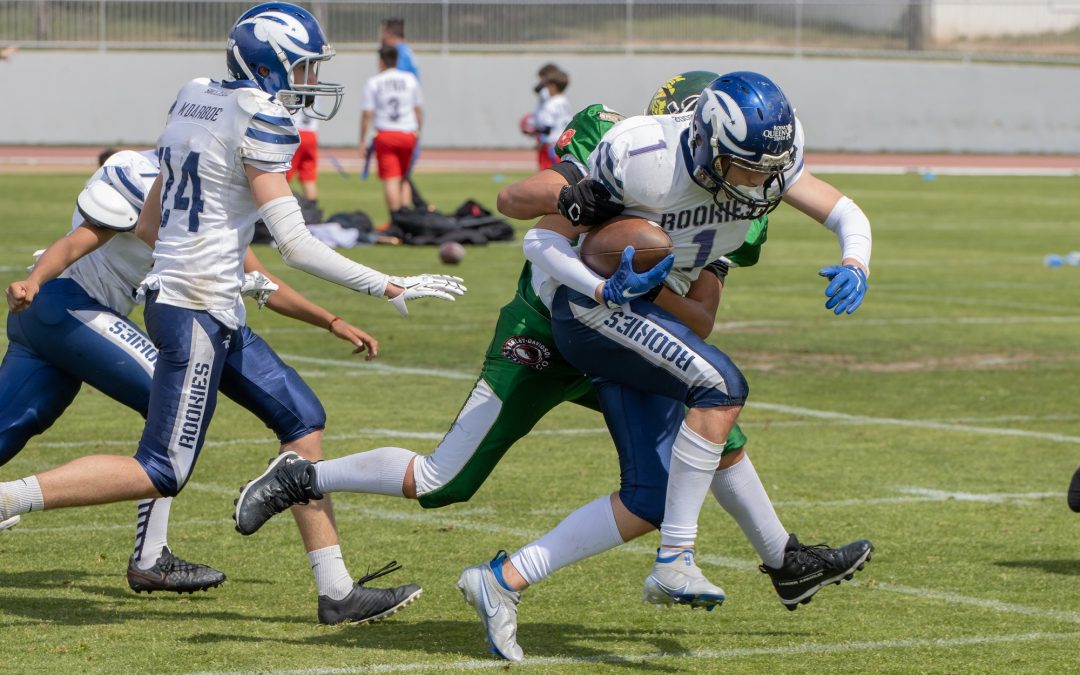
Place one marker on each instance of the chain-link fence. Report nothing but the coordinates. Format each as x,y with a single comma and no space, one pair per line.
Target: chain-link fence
1014,30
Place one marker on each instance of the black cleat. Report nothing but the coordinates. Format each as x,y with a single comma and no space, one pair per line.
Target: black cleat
1074,492
808,569
173,574
366,605
289,480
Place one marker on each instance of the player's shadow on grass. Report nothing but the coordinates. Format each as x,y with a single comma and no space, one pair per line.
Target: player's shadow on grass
103,603
1064,567
465,639
91,612
60,579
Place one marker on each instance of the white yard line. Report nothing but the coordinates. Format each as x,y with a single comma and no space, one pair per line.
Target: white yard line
928,321
913,423
710,654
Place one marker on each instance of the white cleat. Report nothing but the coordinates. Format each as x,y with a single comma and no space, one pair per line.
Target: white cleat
10,522
496,606
677,580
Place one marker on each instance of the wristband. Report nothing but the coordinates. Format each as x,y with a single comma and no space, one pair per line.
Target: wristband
568,170
330,326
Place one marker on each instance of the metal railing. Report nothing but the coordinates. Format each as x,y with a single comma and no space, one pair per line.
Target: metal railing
1015,30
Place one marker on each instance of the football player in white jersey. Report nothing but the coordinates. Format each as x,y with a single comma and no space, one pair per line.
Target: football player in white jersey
797,571
77,330
224,153
702,177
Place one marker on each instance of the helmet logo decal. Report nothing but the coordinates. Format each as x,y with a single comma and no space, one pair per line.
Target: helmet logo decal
282,29
779,132
719,106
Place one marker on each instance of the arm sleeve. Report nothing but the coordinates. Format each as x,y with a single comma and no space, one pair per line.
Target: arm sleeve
552,253
299,249
852,229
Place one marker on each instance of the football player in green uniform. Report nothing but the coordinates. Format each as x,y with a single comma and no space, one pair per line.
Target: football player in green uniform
522,379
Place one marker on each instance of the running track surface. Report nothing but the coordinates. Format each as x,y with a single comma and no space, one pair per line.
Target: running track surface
25,159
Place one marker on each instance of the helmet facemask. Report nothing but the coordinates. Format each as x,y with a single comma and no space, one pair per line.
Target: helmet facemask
747,202
299,94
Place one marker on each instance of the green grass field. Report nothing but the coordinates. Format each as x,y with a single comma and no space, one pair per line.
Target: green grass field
940,421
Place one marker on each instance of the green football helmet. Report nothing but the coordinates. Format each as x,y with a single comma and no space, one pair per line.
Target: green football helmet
680,93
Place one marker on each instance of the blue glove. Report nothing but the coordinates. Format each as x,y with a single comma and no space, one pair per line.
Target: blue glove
847,288
626,284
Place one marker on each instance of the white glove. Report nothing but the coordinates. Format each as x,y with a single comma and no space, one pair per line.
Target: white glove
37,256
258,286
426,286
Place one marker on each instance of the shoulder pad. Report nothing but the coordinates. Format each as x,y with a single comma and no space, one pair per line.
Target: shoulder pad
114,195
254,101
100,204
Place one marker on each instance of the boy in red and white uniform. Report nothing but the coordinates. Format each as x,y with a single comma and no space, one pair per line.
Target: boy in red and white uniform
392,104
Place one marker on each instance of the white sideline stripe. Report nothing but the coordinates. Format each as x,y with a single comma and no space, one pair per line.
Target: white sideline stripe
992,498
928,321
734,653
381,368
996,605
930,495
915,424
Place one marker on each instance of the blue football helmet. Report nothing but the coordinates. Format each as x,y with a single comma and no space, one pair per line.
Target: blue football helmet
743,119
269,42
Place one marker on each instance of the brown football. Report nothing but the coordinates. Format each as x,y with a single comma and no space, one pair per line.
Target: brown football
604,244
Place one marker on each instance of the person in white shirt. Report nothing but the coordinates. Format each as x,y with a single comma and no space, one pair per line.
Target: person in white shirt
392,106
552,117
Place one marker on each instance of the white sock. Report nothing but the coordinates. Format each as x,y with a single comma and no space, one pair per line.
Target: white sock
693,463
20,496
380,471
151,531
585,532
331,576
739,491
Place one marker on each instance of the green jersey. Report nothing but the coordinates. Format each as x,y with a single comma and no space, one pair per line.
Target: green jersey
583,134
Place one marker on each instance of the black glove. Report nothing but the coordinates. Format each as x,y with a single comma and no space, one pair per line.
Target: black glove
587,203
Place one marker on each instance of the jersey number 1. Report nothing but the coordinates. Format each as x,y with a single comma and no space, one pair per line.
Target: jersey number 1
189,171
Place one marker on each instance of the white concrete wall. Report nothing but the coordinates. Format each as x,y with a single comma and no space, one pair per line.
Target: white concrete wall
476,100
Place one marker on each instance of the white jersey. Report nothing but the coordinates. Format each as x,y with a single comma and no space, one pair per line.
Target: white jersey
552,117
393,95
112,273
207,210
645,163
